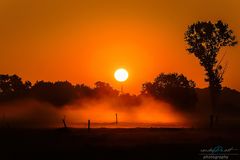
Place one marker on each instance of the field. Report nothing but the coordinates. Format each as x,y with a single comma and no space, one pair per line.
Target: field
128,143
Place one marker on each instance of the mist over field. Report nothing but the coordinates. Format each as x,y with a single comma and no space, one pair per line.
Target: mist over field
33,113
170,101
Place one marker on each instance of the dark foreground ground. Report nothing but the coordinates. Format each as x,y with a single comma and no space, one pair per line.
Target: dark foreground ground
138,143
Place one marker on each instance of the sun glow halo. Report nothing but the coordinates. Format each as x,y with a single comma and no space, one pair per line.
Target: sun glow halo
121,75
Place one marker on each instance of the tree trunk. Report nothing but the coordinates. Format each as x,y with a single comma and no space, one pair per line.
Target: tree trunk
214,96
213,107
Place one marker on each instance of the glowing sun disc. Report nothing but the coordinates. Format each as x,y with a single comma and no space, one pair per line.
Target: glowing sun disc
121,75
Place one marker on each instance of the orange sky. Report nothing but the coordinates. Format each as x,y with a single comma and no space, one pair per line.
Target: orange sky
86,41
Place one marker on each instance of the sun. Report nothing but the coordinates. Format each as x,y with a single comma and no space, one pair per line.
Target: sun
121,75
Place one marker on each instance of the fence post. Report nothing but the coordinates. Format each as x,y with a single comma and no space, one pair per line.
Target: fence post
64,122
89,125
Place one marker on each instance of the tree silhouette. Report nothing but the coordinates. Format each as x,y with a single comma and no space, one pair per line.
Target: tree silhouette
174,88
205,39
84,91
58,93
103,89
12,87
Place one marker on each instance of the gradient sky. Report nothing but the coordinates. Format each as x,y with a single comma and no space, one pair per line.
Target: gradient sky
86,41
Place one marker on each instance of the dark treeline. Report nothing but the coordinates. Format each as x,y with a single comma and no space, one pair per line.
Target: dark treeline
173,88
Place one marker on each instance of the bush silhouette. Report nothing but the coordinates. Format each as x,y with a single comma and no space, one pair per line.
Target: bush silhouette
174,88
